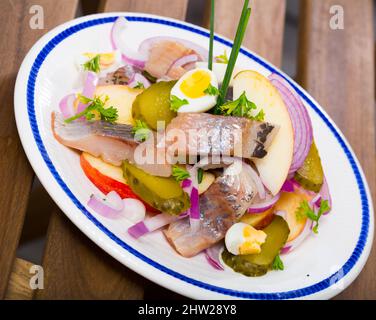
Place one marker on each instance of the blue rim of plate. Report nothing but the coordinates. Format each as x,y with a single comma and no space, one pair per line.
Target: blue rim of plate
326,283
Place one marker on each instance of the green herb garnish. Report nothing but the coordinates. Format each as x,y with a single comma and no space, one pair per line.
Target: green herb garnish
278,263
109,114
305,210
200,175
141,131
241,107
179,173
223,58
93,64
243,22
211,42
211,90
177,103
139,85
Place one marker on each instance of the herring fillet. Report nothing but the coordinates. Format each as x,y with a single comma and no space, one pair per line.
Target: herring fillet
221,135
114,143
221,205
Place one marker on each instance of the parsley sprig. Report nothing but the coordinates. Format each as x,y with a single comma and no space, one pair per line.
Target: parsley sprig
179,173
242,107
278,263
211,90
177,103
141,131
305,210
93,64
222,58
109,114
139,85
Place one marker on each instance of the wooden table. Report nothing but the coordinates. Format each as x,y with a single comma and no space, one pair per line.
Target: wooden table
335,66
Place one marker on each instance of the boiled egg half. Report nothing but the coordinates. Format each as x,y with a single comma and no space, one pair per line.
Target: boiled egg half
108,62
192,89
243,239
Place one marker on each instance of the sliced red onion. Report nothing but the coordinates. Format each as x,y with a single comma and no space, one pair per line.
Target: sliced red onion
194,210
147,44
325,195
186,183
212,256
191,58
110,206
316,200
300,119
288,186
258,182
139,78
129,56
66,106
292,245
263,206
134,210
89,89
152,224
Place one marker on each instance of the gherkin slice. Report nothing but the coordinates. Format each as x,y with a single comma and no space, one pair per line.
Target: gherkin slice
255,265
153,104
164,194
311,174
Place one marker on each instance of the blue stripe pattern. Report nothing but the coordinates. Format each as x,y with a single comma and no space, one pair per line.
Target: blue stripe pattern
239,294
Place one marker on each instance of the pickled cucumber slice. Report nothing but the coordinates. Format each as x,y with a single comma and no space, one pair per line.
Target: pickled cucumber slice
255,265
153,104
164,194
311,174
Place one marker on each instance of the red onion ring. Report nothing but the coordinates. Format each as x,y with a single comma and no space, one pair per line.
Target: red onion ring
325,195
212,256
89,89
110,206
300,119
258,182
292,245
129,56
66,106
146,45
191,58
265,205
139,78
152,224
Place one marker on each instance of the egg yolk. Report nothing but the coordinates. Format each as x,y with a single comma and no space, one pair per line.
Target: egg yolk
253,241
105,59
195,84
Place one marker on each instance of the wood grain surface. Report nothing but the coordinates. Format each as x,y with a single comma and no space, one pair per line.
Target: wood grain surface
19,281
15,172
265,31
337,68
75,268
173,9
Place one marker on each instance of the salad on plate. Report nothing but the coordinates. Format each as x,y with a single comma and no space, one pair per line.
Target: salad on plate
179,140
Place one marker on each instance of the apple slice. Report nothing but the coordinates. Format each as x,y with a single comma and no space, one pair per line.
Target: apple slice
274,167
120,97
258,220
290,202
107,177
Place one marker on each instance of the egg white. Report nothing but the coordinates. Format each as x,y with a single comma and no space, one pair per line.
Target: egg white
201,104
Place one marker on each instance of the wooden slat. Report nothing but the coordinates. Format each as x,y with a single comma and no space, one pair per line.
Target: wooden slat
337,68
265,31
15,172
19,281
75,268
174,9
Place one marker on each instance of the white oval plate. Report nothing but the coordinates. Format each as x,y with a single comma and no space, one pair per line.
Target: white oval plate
319,269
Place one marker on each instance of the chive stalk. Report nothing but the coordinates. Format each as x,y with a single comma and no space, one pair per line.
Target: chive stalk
242,27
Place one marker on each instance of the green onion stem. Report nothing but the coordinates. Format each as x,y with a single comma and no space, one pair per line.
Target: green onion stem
211,43
242,27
